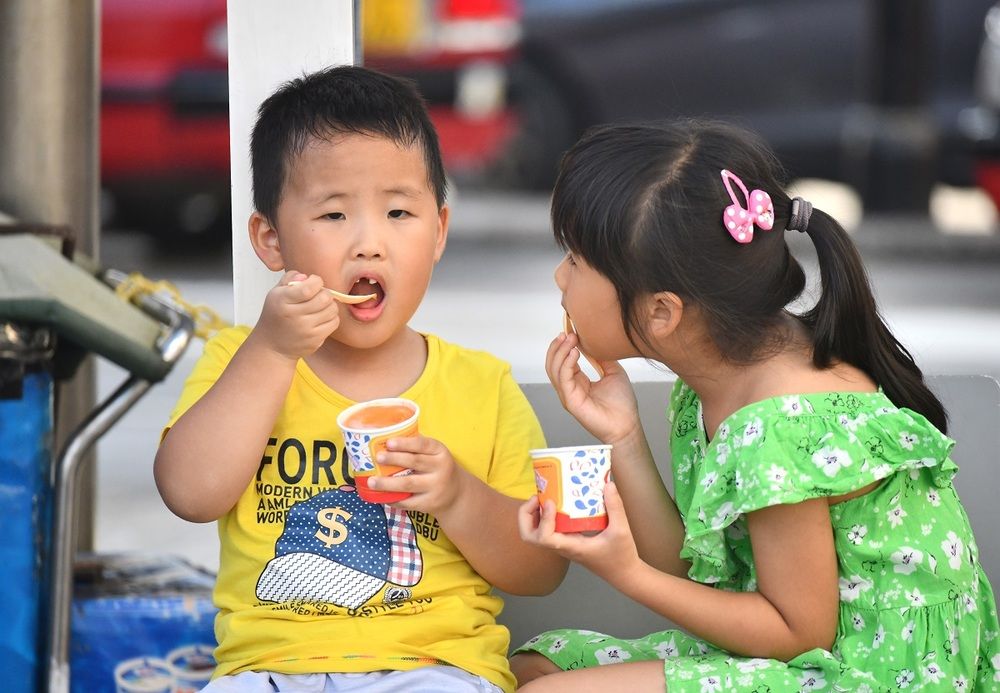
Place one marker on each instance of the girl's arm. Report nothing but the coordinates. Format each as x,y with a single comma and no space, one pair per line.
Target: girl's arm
609,411
793,610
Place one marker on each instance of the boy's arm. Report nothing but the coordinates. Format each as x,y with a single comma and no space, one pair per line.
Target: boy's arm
208,457
482,523
206,460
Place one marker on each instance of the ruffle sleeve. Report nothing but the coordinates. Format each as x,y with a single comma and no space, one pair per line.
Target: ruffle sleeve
791,449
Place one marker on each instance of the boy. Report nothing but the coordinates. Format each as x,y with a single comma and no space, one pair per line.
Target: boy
317,587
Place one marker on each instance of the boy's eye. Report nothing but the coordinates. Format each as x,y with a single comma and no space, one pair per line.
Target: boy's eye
334,216
398,214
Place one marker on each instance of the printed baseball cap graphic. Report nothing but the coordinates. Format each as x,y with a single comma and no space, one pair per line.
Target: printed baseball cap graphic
337,548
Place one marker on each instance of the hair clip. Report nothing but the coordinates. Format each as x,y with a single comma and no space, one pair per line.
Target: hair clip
739,220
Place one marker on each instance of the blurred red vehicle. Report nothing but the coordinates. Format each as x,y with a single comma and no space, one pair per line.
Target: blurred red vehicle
164,98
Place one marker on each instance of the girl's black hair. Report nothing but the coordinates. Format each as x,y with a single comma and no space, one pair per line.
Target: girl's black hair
341,99
643,205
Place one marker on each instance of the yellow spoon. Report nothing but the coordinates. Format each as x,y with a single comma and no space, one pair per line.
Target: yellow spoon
344,298
568,328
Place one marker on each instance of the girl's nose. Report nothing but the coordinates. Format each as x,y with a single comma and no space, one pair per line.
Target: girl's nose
560,274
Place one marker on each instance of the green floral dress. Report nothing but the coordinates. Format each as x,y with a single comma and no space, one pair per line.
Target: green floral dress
916,609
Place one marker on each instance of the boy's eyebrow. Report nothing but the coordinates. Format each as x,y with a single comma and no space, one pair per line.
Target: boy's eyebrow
403,190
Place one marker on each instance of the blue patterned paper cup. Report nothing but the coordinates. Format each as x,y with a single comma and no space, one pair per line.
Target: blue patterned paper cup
574,478
363,440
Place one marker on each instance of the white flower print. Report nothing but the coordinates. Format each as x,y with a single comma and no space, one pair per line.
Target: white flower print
933,497
710,684
709,480
879,637
915,597
908,440
557,645
970,604
906,560
792,406
961,683
996,667
611,655
926,529
896,515
831,460
851,589
667,649
905,678
952,546
723,431
777,476
753,431
907,633
858,621
750,665
857,533
881,471
864,688
933,672
725,513
722,451
812,680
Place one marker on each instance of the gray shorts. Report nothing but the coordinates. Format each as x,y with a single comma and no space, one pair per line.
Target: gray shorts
429,679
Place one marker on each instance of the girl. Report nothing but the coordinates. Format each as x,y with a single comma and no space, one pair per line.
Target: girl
816,541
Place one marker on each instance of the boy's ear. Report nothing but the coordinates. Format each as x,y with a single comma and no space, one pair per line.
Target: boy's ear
264,239
665,310
444,216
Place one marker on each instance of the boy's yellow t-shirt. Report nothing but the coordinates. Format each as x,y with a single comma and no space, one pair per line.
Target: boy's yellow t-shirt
314,579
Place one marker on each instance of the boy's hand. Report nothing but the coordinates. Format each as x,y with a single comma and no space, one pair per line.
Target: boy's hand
611,554
435,479
296,320
607,408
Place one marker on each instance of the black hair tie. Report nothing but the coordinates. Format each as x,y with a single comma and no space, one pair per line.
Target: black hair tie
802,209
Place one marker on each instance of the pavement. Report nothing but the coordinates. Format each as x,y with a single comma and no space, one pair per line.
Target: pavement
938,289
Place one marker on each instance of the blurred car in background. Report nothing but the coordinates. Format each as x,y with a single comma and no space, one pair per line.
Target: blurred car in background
799,72
982,121
164,98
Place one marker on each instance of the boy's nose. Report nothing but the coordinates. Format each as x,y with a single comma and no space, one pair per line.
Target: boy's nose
369,241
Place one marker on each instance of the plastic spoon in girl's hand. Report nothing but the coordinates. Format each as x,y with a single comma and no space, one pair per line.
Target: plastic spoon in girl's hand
345,298
569,328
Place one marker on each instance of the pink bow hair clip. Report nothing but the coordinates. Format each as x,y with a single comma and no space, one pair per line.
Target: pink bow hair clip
739,220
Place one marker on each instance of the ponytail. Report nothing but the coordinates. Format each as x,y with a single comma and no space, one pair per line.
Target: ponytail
847,326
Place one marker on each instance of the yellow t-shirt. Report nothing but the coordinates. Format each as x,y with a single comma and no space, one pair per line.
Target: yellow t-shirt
314,579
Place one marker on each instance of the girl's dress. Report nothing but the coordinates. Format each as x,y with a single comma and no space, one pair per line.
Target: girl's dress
916,609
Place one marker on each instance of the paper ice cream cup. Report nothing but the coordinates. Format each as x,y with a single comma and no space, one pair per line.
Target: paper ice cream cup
366,427
574,478
192,667
143,675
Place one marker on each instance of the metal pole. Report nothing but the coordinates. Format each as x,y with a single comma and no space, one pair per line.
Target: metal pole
49,66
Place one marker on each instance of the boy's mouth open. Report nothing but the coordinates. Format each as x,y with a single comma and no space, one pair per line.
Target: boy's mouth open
372,308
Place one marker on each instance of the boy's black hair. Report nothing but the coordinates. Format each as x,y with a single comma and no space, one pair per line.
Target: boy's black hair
643,205
337,100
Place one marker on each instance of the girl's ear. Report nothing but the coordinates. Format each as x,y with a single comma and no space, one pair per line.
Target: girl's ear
264,239
665,311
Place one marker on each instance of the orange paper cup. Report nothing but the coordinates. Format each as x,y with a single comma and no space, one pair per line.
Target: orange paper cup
574,478
366,427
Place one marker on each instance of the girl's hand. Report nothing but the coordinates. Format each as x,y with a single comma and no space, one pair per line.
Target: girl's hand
435,479
606,408
610,554
296,320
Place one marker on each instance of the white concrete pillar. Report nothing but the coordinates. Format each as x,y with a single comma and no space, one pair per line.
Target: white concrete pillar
271,42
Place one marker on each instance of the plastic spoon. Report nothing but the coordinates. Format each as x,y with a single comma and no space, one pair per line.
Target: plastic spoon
568,328
345,298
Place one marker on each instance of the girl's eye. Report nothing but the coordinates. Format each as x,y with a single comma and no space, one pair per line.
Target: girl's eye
398,214
334,216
